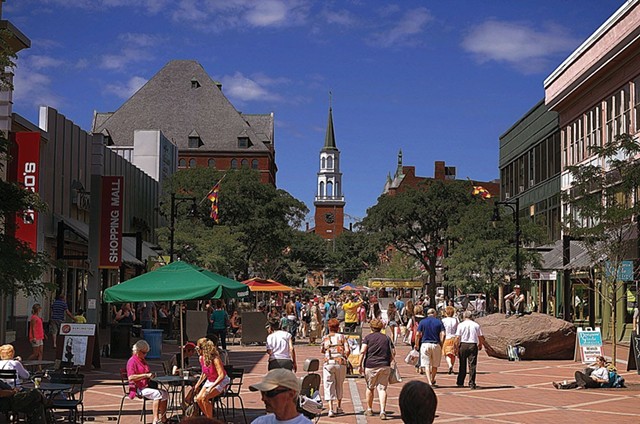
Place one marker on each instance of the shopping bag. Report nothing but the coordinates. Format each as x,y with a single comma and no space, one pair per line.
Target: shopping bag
412,357
395,377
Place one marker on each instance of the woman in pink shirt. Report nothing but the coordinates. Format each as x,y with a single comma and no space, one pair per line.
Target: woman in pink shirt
36,333
213,376
139,379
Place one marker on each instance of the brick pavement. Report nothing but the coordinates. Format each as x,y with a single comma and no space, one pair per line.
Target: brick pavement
509,392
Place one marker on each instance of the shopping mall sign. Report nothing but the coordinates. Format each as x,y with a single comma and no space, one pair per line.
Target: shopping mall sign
28,176
111,222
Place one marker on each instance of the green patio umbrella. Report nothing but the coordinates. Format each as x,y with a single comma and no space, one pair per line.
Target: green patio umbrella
177,281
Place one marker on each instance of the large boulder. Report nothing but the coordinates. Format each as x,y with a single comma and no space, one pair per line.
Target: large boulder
542,336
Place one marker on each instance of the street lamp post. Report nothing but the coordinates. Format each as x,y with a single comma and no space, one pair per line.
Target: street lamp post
514,205
175,202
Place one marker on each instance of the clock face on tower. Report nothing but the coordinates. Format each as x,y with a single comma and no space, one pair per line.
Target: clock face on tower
329,218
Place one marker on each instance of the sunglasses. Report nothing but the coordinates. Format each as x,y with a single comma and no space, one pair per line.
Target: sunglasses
275,392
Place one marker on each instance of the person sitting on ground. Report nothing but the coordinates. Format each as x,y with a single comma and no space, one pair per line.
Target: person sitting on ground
279,390
594,376
418,403
8,361
514,302
175,363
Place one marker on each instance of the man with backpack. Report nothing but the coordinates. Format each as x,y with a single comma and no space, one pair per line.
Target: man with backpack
330,311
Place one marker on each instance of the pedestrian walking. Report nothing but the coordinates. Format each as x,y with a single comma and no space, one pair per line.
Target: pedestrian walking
280,348
219,322
431,333
449,349
377,354
469,340
36,333
335,349
59,309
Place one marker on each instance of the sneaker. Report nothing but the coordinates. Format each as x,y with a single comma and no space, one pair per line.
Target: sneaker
383,416
450,370
507,315
331,414
339,411
556,385
473,386
368,413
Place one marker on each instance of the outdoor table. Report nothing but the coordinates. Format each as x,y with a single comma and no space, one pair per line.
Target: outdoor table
32,364
175,380
49,389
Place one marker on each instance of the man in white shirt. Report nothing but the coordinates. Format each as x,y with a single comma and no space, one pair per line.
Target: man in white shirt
280,348
279,389
469,340
480,305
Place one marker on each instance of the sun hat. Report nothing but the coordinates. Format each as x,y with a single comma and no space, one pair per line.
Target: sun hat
279,377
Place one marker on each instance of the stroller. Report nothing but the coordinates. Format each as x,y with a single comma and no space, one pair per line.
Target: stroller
309,401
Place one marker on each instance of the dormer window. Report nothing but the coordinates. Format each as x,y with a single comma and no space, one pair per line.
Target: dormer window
194,140
194,83
243,142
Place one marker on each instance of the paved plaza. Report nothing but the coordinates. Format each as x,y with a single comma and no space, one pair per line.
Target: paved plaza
509,392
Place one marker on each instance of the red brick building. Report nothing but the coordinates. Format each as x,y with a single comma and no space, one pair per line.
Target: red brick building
405,176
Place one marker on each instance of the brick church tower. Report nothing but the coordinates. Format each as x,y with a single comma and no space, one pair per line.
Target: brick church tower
329,201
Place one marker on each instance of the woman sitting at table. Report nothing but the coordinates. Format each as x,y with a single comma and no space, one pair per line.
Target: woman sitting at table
175,363
214,379
8,361
140,381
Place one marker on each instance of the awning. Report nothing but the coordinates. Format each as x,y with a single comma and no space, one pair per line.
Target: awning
81,229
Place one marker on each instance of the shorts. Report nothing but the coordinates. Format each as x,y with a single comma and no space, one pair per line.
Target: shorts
54,326
154,394
430,355
220,387
377,377
37,343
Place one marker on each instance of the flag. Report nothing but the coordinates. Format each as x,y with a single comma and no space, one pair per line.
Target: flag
213,197
482,192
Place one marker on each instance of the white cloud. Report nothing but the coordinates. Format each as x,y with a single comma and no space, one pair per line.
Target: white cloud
404,31
127,89
237,86
519,45
33,88
138,47
339,17
39,62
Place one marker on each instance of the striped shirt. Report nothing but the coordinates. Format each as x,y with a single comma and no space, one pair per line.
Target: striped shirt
58,307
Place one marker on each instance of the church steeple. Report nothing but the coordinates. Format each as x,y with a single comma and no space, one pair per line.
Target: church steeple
330,137
329,200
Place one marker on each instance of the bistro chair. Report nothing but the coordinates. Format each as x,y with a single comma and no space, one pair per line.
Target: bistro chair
124,379
73,398
233,390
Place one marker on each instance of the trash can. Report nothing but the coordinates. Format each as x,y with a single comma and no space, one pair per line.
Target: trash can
120,341
154,338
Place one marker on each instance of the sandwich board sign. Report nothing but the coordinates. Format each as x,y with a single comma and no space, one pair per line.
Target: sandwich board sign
589,344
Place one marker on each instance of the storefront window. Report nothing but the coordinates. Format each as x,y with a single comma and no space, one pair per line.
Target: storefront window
631,300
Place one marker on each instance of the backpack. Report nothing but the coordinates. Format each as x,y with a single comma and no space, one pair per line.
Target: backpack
615,380
333,311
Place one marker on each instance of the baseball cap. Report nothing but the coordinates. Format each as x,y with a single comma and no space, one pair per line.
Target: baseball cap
277,377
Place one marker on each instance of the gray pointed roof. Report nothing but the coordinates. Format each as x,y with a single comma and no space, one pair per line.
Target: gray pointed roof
330,136
171,103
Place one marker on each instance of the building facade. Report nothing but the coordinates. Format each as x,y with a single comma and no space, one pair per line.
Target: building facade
190,110
596,93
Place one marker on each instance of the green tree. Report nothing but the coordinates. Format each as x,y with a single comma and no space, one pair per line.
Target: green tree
351,254
481,255
603,202
416,221
20,267
260,221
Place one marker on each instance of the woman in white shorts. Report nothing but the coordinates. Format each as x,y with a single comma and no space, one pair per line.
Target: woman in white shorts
139,382
214,380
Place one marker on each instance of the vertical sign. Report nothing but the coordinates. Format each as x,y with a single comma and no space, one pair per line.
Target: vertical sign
111,222
28,175
590,344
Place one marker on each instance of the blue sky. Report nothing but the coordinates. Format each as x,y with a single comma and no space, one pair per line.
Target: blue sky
441,80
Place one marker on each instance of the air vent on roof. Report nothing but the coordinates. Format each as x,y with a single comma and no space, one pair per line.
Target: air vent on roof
194,83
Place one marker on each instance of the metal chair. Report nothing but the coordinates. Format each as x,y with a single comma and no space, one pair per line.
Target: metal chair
124,379
233,390
73,398
9,376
